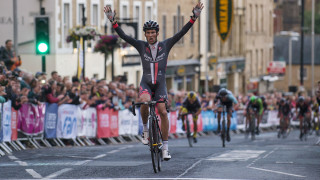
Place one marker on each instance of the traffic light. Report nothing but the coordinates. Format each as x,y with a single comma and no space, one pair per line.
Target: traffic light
42,35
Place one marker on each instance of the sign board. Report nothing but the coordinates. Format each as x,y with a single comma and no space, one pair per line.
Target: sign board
224,17
277,67
131,60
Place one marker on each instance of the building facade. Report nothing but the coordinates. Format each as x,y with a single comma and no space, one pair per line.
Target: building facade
244,56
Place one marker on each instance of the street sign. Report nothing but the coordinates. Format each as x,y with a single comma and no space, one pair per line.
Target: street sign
277,67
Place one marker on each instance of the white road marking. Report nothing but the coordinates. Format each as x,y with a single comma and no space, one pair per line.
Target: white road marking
270,153
82,162
99,156
113,151
58,173
279,172
21,163
12,158
33,173
237,155
192,166
279,162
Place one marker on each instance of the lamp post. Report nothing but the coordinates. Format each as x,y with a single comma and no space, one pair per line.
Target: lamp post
293,37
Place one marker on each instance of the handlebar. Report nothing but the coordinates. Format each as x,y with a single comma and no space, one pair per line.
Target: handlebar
147,103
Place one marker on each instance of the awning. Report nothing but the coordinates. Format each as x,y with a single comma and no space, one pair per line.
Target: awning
184,62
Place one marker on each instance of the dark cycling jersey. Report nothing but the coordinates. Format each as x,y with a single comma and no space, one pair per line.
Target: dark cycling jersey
304,108
154,68
192,108
285,109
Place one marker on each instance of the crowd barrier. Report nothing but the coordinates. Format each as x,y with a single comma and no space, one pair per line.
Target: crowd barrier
42,123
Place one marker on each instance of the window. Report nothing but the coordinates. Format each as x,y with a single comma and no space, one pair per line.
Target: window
257,19
250,19
80,13
175,24
148,13
190,83
137,15
164,26
262,62
95,15
262,30
180,26
66,22
124,11
257,69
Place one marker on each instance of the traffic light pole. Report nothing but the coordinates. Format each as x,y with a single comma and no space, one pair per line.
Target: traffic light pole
43,63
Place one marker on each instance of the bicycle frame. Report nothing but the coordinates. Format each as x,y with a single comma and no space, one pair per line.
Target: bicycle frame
189,137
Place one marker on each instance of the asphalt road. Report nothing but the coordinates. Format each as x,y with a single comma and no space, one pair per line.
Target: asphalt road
265,158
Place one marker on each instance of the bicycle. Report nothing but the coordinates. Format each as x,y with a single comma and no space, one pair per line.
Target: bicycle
155,135
284,127
189,136
223,125
305,126
252,124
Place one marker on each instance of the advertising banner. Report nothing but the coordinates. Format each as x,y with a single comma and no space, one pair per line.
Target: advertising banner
173,121
87,124
14,124
103,129
6,122
51,118
114,124
125,119
241,119
224,17
273,119
68,116
39,115
209,121
135,123
26,119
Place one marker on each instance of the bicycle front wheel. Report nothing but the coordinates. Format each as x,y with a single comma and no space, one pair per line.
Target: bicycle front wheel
189,137
223,132
152,141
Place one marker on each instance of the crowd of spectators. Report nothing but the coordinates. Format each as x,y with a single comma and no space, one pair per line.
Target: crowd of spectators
23,87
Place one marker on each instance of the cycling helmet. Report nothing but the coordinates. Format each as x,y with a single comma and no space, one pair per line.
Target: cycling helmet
253,99
262,98
282,100
301,99
192,95
150,25
223,92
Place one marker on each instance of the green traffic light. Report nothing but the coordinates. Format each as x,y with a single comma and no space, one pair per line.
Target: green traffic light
42,47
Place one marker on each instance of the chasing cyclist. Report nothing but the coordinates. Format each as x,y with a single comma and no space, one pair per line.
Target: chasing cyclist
192,105
255,102
154,57
284,113
302,110
225,98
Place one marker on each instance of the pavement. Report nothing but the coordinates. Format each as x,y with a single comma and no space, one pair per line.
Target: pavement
265,158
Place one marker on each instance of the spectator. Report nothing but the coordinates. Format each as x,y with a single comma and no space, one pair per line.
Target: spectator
54,76
7,55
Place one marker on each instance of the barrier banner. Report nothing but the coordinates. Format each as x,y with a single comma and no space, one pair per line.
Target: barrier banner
103,129
295,120
200,123
135,123
233,125
125,122
128,123
241,119
6,121
114,124
26,119
273,119
68,116
87,124
209,121
39,115
51,117
91,122
173,121
14,124
264,120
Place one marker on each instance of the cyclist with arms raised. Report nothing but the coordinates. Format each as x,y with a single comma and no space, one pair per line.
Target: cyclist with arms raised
191,104
302,110
154,57
255,102
225,98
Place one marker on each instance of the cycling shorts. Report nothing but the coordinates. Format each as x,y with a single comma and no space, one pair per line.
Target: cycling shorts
228,105
157,92
185,111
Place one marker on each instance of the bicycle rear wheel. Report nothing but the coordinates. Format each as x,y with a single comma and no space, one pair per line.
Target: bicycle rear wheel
152,141
253,127
189,137
159,144
223,132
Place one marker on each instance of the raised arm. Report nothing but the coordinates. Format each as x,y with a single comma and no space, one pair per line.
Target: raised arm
111,15
196,13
